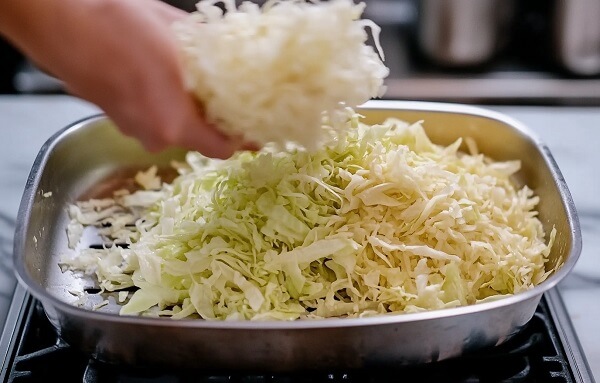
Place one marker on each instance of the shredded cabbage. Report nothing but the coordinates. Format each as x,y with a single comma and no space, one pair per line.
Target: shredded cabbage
380,220
269,73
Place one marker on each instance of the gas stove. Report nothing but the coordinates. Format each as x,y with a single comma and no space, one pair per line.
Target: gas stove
546,350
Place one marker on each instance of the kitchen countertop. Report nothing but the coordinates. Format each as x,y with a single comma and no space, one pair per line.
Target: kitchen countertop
571,133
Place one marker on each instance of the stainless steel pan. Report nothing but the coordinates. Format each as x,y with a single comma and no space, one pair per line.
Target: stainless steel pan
92,152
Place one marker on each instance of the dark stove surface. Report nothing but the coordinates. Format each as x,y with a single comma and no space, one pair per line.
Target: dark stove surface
547,350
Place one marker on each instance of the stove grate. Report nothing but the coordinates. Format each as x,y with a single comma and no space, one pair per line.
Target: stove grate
534,355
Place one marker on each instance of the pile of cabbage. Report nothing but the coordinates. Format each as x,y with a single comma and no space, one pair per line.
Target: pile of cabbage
380,220
267,73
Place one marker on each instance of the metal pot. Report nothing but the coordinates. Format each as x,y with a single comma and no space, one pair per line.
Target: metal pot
577,36
463,32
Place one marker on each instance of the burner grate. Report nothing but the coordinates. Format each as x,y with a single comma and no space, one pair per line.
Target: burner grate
534,355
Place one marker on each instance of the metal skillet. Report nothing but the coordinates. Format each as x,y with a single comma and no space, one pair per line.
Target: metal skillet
91,153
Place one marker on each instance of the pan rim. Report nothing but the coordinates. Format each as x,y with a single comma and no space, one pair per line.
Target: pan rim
536,292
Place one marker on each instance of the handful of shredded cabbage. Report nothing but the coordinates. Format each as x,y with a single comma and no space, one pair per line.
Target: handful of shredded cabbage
268,73
380,220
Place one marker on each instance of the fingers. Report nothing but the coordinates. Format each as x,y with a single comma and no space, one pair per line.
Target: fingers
198,137
207,140
251,146
176,120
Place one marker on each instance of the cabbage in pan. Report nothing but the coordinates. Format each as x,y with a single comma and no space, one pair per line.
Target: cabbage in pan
379,220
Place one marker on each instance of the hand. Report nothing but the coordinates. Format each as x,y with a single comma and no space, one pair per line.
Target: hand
121,55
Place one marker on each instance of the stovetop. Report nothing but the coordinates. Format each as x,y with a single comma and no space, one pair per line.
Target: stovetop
546,350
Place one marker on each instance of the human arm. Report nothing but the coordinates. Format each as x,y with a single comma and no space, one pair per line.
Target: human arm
121,56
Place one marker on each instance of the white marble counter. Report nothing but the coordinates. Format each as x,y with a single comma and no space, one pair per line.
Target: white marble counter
572,134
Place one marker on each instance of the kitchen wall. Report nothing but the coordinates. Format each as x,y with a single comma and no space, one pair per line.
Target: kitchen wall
10,59
534,52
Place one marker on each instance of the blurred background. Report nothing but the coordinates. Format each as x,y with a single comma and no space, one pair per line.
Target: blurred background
533,52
